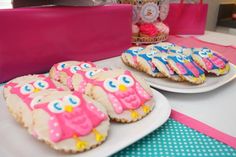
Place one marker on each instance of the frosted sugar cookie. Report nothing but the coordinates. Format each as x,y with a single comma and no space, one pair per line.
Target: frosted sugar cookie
211,61
56,68
79,79
186,68
70,121
22,93
162,46
145,63
126,97
129,57
181,50
160,62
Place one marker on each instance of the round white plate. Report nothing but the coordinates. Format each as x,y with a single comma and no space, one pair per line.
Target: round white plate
120,135
211,83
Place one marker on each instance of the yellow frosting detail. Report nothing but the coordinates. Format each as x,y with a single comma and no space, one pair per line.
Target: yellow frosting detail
99,137
134,114
80,145
146,109
36,90
210,55
185,61
122,88
195,79
68,108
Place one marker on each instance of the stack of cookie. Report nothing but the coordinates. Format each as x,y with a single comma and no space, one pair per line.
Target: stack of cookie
175,62
71,108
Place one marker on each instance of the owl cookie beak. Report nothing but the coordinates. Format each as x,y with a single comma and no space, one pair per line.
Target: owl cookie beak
36,90
68,108
210,55
122,88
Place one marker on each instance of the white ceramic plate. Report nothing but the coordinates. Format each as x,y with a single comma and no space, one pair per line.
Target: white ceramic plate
15,141
211,83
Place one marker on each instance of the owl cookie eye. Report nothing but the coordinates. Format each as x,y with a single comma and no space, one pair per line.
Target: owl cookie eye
74,69
56,106
61,66
180,59
126,80
85,65
27,89
151,54
41,84
164,58
111,85
35,101
72,100
204,53
90,74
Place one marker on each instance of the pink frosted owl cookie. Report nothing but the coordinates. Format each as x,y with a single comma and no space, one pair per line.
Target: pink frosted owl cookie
211,61
70,121
22,93
79,79
126,97
57,68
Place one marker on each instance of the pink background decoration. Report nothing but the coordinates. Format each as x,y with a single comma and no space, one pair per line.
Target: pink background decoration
187,18
33,39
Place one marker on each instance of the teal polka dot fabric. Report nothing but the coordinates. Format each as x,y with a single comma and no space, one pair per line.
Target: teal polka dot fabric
174,139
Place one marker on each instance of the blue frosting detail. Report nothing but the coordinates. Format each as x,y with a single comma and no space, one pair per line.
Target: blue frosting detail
112,85
57,107
41,85
161,59
133,52
72,101
144,56
162,49
27,88
125,80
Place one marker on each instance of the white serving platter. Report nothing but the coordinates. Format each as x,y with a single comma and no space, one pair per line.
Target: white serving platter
211,83
16,142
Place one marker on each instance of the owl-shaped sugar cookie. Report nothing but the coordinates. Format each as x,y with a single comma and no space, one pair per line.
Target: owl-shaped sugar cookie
77,78
70,121
211,61
126,97
145,63
23,92
186,68
129,57
162,46
160,61
77,65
